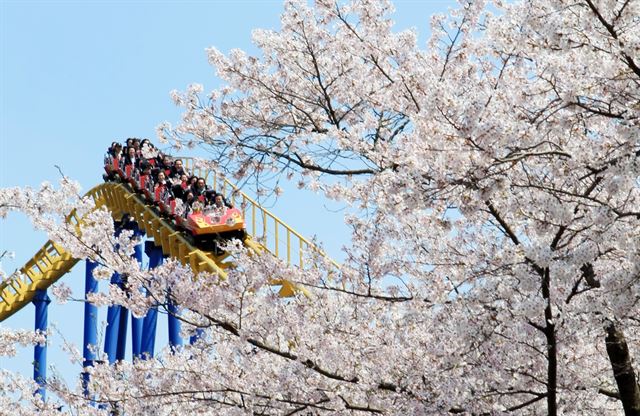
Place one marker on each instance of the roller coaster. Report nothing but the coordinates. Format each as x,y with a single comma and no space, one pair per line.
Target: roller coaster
263,233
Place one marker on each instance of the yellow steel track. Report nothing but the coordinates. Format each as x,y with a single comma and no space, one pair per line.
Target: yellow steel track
266,232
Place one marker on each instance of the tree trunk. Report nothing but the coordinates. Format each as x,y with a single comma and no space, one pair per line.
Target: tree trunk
623,370
552,347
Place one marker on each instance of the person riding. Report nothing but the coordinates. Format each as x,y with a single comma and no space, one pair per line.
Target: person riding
148,151
200,189
142,175
180,186
136,145
176,170
162,189
131,158
131,162
165,163
113,160
219,202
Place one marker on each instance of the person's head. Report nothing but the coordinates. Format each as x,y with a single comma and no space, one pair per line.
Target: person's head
130,142
136,144
131,152
193,180
218,200
161,177
178,164
118,148
189,196
145,142
184,178
166,159
200,184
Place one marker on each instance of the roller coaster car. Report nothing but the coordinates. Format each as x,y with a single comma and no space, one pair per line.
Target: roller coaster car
226,223
207,226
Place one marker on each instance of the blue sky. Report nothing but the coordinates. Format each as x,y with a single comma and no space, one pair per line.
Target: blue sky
76,75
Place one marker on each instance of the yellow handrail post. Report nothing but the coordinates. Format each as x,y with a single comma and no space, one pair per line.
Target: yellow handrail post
264,228
288,246
243,205
275,224
253,219
301,261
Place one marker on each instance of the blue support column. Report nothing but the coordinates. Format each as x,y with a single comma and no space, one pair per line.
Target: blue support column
148,344
150,321
41,301
175,340
113,324
90,325
113,316
195,337
121,350
137,323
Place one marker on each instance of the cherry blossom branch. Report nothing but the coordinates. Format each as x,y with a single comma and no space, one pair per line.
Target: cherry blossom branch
538,397
630,62
368,295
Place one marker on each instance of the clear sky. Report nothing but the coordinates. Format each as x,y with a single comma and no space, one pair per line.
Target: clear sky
76,75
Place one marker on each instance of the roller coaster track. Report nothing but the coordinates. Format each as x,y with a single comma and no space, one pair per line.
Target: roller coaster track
265,232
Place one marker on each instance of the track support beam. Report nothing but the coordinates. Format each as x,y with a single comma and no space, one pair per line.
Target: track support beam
175,341
113,324
41,301
137,323
150,322
90,340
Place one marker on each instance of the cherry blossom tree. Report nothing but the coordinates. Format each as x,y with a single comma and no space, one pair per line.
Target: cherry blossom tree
498,168
493,184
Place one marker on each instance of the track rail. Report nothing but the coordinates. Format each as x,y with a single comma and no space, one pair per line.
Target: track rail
266,232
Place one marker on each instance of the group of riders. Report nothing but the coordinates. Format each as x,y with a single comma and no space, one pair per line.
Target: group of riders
162,179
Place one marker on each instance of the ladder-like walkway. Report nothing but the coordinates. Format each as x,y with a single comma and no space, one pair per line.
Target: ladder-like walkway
265,232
